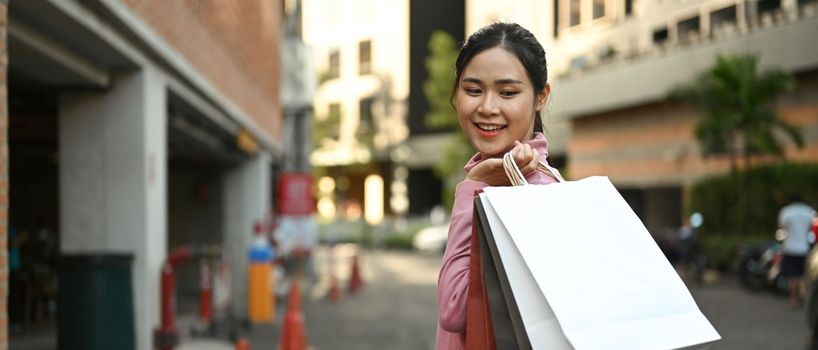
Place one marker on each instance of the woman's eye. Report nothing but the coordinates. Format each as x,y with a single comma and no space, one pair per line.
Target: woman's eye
508,93
472,91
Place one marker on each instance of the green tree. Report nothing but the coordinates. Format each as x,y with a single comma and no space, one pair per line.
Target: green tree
737,102
437,88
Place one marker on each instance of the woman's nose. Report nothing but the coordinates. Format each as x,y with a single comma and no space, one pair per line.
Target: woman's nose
488,106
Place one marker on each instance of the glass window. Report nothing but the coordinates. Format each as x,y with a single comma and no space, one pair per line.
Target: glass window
365,110
688,29
660,36
574,7
334,120
334,63
556,18
599,8
723,19
628,7
366,124
365,57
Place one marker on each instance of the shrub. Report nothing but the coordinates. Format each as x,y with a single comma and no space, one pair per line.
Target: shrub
747,203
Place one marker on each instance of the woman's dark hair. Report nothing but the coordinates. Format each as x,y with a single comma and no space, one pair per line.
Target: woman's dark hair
514,39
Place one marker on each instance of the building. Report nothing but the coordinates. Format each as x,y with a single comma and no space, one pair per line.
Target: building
137,127
613,63
369,105
360,52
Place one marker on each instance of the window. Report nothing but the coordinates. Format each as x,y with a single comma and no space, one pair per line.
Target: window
768,6
366,122
334,63
802,3
807,6
722,20
334,120
599,8
660,36
556,18
574,8
365,113
365,57
688,29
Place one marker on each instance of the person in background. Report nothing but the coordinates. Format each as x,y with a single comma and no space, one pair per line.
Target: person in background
500,90
796,220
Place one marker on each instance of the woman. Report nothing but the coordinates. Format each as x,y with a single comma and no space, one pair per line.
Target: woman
500,90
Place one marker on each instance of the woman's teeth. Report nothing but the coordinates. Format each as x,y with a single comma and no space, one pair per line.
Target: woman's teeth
486,127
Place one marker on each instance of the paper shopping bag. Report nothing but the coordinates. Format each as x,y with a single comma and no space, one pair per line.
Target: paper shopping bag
577,269
479,329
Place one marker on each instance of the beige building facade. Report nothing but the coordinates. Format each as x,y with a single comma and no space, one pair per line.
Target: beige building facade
612,64
361,54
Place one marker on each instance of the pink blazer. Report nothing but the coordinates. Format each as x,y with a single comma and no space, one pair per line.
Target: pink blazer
453,281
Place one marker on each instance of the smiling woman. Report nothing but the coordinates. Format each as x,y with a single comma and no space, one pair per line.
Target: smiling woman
500,89
496,102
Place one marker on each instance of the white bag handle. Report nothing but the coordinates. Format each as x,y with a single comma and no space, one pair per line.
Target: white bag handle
516,176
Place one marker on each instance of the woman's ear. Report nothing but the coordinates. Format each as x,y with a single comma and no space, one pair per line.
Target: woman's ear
542,97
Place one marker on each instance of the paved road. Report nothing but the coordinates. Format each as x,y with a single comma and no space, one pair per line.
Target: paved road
397,308
751,320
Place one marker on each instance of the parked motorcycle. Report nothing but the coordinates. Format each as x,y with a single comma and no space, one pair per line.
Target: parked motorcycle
759,266
683,249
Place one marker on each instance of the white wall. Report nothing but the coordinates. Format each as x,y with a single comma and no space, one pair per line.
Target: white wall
113,183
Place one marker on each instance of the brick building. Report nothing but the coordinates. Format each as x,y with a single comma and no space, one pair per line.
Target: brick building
136,126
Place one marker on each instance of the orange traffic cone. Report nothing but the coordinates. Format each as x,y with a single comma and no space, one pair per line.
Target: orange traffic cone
292,332
334,291
355,280
242,344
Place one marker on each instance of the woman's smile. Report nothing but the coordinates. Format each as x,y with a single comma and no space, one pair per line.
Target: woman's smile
496,102
489,130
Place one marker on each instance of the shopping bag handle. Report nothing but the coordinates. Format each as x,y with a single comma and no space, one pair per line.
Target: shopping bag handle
516,176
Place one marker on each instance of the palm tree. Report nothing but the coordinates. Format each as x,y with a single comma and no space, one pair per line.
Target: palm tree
738,105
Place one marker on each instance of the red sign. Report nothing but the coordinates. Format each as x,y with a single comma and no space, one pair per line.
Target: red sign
295,194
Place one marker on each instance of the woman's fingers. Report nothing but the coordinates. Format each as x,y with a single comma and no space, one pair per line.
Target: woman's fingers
531,163
489,171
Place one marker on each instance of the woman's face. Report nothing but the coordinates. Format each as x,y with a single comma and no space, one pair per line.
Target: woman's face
496,102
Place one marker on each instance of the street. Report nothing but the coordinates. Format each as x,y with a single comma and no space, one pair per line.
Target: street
396,309
751,320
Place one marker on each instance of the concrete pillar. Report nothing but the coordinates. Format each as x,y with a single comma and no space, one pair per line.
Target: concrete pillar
113,181
246,190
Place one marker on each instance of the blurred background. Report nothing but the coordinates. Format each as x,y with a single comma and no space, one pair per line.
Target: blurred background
170,142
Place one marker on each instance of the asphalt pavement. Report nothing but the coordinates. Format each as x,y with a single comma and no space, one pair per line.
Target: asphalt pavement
397,309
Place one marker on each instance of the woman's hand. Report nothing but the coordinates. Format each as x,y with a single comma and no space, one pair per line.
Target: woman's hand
490,171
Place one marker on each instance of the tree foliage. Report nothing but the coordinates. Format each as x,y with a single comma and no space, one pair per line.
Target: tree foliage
438,86
437,89
737,102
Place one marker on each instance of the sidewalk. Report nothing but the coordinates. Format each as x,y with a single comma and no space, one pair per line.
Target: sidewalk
396,308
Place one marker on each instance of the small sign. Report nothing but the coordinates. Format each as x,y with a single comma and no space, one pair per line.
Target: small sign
295,194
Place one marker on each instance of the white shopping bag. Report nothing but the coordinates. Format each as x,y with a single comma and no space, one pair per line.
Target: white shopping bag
578,270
